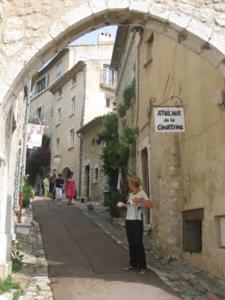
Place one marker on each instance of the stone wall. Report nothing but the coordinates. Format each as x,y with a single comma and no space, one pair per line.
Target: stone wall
187,168
32,31
91,157
10,167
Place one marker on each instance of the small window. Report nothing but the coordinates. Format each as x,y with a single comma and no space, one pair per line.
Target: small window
59,115
108,76
72,137
96,174
58,70
41,85
108,102
149,48
74,79
59,93
98,141
57,145
73,104
39,114
192,230
222,231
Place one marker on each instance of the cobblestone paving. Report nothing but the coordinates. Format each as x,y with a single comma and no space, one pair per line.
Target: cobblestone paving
189,282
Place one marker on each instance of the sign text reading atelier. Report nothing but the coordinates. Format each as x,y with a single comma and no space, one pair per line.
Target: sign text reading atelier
169,119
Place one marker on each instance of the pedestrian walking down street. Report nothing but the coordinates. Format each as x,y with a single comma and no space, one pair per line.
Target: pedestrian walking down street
52,183
46,186
59,182
70,188
138,200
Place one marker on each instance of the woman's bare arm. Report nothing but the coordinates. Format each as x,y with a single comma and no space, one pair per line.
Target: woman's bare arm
145,203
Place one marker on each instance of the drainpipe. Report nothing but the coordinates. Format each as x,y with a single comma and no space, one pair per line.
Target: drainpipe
140,31
80,136
24,146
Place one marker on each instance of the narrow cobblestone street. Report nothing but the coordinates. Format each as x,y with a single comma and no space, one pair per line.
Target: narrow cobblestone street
85,263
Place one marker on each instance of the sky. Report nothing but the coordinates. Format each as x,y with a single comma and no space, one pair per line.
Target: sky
91,38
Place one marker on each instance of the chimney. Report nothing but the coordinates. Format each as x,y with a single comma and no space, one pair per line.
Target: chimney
105,38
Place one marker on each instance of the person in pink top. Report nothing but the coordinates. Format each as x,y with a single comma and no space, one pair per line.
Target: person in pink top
70,188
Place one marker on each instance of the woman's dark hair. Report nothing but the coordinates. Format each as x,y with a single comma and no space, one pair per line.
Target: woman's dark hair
70,175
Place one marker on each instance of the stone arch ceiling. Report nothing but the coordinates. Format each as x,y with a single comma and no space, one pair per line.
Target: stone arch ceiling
32,31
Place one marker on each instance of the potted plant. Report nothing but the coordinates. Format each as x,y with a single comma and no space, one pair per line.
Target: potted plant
27,192
17,259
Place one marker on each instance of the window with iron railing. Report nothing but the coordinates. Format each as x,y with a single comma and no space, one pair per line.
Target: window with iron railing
42,84
108,76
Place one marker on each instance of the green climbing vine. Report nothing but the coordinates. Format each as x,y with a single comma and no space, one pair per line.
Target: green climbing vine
115,154
128,95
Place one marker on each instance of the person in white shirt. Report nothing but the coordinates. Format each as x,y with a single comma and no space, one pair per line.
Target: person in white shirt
138,200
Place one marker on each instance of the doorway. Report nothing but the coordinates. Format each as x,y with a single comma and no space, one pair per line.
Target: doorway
87,180
65,173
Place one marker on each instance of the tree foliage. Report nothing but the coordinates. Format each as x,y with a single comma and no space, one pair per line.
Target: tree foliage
128,95
115,153
38,160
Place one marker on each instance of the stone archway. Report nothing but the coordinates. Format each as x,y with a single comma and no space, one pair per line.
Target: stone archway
65,173
32,32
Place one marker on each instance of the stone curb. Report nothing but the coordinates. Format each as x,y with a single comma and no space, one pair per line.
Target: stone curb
8,296
38,287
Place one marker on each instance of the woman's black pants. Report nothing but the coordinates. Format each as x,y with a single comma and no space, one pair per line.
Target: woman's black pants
134,229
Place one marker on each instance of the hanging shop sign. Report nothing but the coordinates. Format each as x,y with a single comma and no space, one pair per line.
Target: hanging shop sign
34,135
169,119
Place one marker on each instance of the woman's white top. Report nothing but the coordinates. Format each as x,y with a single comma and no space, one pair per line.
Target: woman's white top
135,211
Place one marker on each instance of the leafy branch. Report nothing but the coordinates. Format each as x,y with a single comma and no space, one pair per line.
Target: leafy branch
116,150
128,95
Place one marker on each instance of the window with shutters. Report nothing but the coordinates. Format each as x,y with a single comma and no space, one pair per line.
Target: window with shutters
74,79
149,48
40,113
59,94
57,146
58,70
59,116
41,85
72,137
108,102
73,104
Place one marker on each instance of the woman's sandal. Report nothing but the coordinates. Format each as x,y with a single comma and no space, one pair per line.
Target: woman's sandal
129,268
142,272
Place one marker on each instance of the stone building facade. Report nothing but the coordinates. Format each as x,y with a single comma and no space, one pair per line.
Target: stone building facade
78,86
93,181
33,31
185,170
12,174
